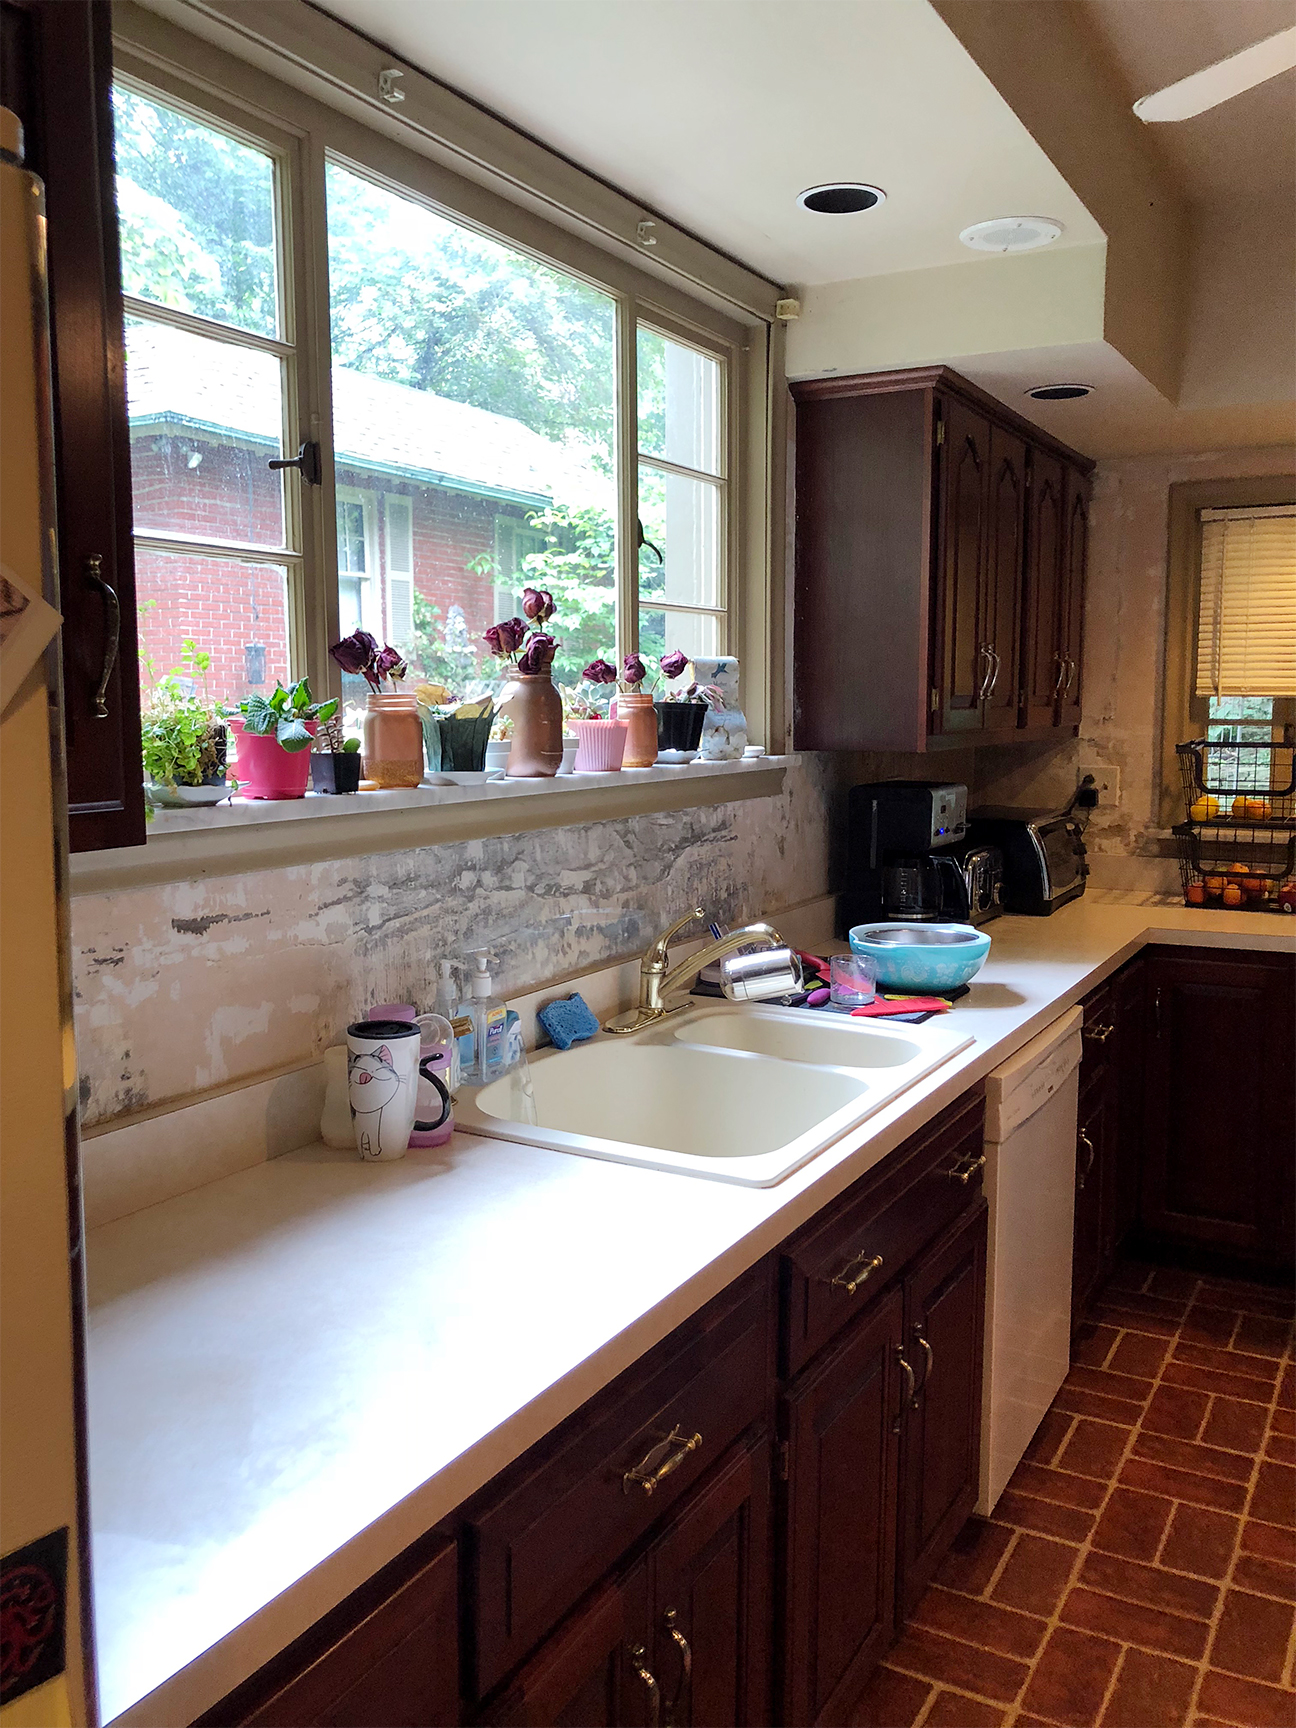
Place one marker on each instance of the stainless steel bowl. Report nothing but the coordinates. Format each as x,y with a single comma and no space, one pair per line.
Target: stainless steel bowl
916,935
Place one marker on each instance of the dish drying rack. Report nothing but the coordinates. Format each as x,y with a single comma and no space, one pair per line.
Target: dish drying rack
1237,846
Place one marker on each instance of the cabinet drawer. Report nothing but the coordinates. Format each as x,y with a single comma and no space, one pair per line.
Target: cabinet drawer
572,1507
886,1218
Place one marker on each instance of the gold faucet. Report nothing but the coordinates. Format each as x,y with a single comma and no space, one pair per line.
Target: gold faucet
658,980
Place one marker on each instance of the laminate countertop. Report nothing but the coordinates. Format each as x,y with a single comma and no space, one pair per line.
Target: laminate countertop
296,1370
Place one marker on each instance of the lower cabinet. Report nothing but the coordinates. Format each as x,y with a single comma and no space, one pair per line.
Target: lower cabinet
1093,1256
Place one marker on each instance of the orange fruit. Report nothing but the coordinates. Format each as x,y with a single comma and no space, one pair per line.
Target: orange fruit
1195,893
1206,809
1233,895
1214,884
1239,870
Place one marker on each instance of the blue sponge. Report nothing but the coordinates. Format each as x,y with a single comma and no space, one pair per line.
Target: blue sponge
568,1020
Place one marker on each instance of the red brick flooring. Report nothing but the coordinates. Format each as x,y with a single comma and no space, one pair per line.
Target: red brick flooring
1138,1571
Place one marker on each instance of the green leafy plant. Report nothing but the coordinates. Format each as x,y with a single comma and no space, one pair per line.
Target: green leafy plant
283,715
182,739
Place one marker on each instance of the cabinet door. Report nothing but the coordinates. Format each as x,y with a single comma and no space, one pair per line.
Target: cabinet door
940,1456
1129,1058
842,1421
1001,599
1075,554
1042,669
1218,1119
710,1576
1093,1162
962,534
593,1672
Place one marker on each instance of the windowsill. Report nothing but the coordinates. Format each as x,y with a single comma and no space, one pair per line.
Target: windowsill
251,834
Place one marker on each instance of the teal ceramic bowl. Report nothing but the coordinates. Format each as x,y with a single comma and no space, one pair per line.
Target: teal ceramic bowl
922,957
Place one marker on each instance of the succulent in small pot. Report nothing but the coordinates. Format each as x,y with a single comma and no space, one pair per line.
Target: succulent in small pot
335,762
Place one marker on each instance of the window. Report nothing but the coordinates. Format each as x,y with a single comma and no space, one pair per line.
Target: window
400,570
1246,608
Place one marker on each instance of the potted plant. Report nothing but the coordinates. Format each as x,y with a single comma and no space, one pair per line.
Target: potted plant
393,731
634,705
680,713
274,737
534,705
335,760
601,742
183,737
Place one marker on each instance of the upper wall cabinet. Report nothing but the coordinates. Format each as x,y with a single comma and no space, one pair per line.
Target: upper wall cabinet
941,545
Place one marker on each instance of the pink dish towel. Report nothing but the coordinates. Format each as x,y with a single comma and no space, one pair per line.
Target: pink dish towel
883,1006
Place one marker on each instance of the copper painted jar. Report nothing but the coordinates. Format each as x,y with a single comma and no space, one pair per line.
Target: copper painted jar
535,708
393,740
636,708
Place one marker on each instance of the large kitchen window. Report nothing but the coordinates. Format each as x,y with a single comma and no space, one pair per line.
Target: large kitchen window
487,417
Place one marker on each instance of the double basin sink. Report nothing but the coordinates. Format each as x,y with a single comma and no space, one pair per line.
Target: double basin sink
737,1094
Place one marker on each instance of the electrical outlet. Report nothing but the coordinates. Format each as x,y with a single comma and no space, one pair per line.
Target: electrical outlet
1106,780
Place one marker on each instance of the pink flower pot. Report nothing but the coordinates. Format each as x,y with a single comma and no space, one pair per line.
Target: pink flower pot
601,746
265,769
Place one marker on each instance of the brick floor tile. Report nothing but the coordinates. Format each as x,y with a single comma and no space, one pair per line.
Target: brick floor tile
1129,1388
933,1657
1244,1703
1057,1485
1082,1403
1135,1623
1036,1575
1131,1275
1265,1299
1263,1337
1139,1355
1189,1455
1071,1677
1265,1577
1094,1449
1282,1421
1200,1541
1273,1498
1171,1281
1287,1388
1150,1692
1179,1372
1153,1478
976,1551
952,1710
891,1700
1274,1541
1132,1524
1239,1427
1207,1325
1261,1368
1048,1437
1116,1312
1025,1512
1281,1448
985,1624
1152,1585
1092,1343
1175,1410
1251,1637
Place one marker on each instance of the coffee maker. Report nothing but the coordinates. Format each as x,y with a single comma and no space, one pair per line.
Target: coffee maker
908,858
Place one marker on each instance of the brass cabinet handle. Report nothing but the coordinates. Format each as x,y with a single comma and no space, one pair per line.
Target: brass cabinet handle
1088,1145
965,1170
686,1663
638,1659
1061,674
994,675
928,1352
1071,672
908,1399
985,656
112,637
654,1469
1098,1034
856,1271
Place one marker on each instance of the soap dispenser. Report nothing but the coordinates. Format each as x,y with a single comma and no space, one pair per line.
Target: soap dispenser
489,1018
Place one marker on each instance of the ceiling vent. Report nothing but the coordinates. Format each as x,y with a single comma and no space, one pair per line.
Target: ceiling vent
841,198
1011,234
1059,392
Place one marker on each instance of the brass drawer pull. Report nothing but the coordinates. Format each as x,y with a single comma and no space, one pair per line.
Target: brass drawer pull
963,1172
1088,1145
930,1355
907,1400
655,1468
112,630
855,1272
686,1664
639,1662
1098,1034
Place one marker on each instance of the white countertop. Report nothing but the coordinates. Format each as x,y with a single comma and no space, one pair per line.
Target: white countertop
298,1369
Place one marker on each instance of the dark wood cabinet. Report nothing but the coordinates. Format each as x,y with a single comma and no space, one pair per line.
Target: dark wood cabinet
1219,1104
1092,1257
926,503
593,1672
57,63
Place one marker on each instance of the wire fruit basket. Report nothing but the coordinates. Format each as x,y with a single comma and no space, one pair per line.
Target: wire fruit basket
1221,865
1250,784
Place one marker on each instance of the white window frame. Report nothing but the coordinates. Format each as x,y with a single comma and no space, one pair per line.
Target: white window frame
391,575
372,610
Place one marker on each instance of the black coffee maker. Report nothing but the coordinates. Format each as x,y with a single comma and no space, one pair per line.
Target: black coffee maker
902,861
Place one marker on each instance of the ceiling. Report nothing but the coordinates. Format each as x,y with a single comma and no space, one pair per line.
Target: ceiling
717,113
1246,148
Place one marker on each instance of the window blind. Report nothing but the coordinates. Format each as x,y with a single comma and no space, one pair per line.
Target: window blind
1246,616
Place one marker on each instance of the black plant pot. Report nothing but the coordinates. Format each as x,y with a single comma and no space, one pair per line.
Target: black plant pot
336,771
679,726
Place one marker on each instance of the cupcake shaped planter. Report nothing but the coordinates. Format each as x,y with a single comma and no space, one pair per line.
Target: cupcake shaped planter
601,746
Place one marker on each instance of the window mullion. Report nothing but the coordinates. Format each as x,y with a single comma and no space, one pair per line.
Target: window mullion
627,468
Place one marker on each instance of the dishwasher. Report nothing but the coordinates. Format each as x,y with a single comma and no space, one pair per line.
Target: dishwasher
1030,1185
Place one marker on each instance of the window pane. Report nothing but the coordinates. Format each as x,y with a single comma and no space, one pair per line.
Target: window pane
197,213
232,609
691,632
478,385
205,418
679,403
680,559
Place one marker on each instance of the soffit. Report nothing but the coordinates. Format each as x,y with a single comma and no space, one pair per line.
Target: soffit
717,115
1246,148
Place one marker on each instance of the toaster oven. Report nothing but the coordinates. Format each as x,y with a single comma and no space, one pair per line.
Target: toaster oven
1043,851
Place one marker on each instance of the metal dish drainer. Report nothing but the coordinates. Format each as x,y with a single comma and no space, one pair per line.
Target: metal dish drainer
1237,847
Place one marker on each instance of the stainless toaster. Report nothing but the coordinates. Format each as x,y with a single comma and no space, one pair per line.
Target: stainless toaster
1044,863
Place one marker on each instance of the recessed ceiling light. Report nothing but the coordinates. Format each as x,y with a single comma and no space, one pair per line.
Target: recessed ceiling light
1011,234
841,198
1060,392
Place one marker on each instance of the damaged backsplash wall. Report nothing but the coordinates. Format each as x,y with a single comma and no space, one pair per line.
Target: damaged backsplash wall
191,985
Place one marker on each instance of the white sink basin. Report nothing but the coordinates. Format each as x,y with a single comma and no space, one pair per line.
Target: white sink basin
739,1094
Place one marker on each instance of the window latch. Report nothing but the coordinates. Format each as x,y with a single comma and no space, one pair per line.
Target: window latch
306,461
643,540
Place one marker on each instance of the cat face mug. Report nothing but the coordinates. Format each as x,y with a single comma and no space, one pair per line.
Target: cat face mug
382,1085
